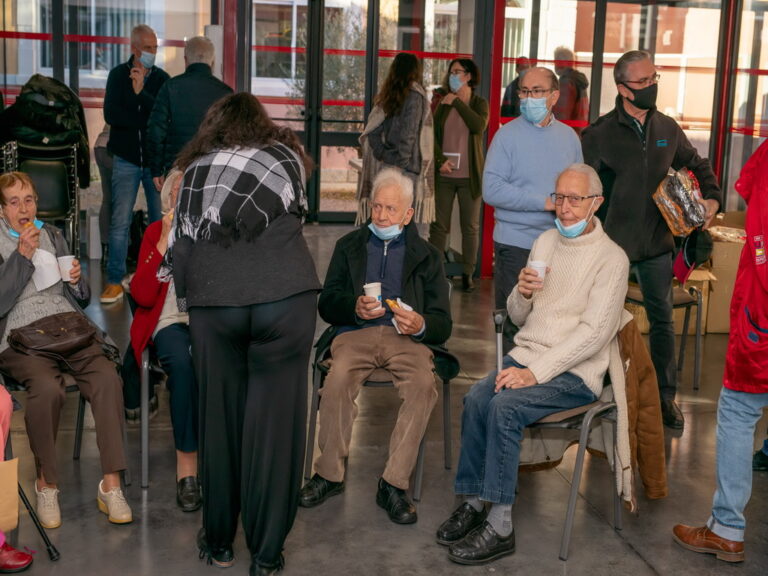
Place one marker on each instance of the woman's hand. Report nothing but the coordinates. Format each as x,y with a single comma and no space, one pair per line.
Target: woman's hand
448,99
446,167
74,272
162,244
464,93
514,378
29,241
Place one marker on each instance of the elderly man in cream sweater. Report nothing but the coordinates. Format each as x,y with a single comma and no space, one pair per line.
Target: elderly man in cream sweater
568,318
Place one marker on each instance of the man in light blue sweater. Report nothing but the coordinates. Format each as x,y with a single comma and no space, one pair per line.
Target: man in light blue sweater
525,157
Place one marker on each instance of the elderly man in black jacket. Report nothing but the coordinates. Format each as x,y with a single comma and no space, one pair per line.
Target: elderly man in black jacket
371,335
128,101
632,147
181,105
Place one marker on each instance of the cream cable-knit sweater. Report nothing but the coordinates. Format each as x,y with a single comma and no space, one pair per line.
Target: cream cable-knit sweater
568,326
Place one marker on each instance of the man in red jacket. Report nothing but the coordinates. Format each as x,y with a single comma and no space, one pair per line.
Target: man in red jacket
745,388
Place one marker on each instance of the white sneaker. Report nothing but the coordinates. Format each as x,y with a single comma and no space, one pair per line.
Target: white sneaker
48,511
113,504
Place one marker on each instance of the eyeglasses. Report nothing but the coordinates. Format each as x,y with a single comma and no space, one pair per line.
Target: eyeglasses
457,72
574,201
645,81
535,92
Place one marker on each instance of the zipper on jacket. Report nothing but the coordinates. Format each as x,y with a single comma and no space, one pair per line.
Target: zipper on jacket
384,261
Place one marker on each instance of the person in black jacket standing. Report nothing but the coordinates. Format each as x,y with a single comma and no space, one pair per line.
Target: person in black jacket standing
180,107
632,148
130,96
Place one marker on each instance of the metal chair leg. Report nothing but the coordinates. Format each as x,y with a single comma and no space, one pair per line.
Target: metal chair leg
145,418
697,351
419,472
617,520
683,339
578,468
447,443
310,452
79,427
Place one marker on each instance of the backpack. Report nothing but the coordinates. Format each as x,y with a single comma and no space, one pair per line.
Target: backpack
48,112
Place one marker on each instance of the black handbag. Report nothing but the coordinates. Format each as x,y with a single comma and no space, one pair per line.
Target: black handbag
57,335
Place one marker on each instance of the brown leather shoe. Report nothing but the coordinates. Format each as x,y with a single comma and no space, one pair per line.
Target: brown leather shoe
702,539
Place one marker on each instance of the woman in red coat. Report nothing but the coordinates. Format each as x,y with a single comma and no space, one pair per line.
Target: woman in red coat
745,387
157,318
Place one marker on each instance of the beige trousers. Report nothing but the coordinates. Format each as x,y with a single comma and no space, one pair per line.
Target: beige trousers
355,356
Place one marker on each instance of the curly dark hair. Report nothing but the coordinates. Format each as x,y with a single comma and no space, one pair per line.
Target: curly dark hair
239,120
405,70
469,66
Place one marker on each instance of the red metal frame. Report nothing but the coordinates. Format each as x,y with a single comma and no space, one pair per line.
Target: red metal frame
727,78
497,57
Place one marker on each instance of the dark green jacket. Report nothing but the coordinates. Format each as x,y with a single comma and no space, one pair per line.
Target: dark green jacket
475,116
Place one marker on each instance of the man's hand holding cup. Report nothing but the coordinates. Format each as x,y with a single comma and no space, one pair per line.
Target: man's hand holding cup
531,278
368,308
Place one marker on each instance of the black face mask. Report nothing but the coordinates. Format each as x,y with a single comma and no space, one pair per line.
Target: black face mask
645,98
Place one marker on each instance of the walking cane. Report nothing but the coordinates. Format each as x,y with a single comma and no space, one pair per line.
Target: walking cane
53,553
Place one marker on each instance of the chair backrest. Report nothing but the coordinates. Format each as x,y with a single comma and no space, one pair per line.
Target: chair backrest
53,172
50,180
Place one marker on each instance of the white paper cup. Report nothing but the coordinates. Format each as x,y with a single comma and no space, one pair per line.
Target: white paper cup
540,266
65,266
373,289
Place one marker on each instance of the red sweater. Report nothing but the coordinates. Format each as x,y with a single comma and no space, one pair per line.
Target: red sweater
147,291
746,362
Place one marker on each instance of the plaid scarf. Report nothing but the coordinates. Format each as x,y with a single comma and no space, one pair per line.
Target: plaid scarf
235,194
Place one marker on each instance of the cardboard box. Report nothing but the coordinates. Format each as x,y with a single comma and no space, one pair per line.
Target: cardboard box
725,263
701,279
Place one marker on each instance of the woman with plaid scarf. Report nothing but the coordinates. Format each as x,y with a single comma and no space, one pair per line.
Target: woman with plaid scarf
242,268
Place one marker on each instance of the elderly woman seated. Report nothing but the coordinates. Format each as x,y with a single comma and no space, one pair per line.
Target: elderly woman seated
32,290
157,318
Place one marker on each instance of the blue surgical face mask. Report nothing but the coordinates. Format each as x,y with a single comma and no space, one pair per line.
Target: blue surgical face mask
455,83
385,234
534,109
147,59
38,224
577,229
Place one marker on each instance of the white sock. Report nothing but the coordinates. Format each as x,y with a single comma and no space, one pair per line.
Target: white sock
500,518
476,503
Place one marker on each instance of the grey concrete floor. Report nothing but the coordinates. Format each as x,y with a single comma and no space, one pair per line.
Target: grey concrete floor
350,535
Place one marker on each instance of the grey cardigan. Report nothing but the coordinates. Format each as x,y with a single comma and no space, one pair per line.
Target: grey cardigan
17,271
396,141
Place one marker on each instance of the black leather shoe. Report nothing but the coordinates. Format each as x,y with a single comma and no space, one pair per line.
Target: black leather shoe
394,500
188,495
318,490
481,545
221,556
259,570
671,415
460,523
467,283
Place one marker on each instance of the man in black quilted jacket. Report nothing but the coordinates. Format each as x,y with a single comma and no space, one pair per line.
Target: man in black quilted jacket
181,105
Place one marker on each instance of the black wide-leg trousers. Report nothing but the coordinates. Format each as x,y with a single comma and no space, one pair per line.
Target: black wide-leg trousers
251,363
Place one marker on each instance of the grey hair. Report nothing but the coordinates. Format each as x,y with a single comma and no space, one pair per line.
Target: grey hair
550,74
165,194
620,68
199,49
394,177
595,185
563,53
138,31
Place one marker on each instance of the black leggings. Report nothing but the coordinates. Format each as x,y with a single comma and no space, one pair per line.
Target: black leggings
251,363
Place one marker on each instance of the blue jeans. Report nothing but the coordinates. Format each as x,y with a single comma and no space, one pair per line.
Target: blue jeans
125,186
173,345
492,427
655,278
737,416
